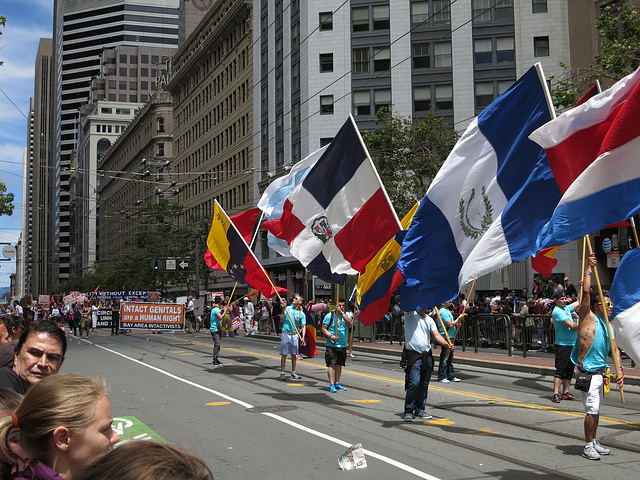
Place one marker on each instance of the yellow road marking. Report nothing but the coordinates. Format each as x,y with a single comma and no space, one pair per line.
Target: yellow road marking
187,354
217,404
363,401
483,431
301,384
440,421
488,398
177,351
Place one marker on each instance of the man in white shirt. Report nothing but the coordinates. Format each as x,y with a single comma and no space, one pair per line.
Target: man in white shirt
248,312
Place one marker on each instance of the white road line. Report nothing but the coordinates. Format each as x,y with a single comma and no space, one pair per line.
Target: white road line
390,461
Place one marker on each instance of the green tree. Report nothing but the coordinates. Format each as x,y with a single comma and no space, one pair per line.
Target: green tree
408,154
619,32
6,201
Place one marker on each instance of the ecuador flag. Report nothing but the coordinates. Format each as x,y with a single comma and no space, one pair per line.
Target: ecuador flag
232,253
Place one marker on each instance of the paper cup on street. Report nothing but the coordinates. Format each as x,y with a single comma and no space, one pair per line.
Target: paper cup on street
353,458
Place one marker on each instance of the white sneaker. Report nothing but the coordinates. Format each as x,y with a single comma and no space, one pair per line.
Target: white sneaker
590,452
283,377
445,380
455,379
599,448
352,355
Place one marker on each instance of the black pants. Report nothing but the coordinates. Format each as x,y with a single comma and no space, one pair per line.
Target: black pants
115,323
216,345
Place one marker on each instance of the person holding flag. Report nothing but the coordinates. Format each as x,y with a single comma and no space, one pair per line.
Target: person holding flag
217,314
445,366
335,327
293,328
589,354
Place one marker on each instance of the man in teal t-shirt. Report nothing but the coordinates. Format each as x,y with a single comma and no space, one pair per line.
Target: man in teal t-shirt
217,314
566,334
335,327
446,372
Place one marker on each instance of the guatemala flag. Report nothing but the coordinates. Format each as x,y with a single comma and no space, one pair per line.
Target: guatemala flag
338,218
593,151
487,202
625,295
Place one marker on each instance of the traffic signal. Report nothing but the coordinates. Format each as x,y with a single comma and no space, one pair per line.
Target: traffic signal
155,264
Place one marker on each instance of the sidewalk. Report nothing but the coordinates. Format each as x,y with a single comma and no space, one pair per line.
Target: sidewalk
537,363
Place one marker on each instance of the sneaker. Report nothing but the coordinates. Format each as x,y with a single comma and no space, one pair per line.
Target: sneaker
455,379
424,415
283,377
332,388
352,355
295,376
407,417
599,448
556,398
216,363
298,357
444,380
340,387
568,396
590,452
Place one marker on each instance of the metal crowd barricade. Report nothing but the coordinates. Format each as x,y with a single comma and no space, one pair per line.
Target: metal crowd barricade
535,332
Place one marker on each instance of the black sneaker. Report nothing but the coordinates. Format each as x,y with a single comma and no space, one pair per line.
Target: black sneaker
568,396
556,398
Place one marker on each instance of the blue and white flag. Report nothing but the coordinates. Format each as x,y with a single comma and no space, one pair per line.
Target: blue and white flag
272,200
625,295
487,202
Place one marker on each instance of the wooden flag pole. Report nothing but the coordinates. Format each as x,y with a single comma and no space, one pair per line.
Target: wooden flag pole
584,259
635,232
606,318
464,310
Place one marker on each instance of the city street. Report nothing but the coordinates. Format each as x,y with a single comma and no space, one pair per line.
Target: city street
246,423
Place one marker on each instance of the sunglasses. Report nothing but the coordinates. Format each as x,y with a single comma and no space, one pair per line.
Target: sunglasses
607,304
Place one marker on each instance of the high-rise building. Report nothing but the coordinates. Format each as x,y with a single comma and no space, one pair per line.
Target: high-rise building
82,28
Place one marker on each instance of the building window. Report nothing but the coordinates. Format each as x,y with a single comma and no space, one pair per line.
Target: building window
360,19
381,17
279,125
444,97
482,51
539,6
505,50
326,62
102,147
279,50
133,59
442,54
421,57
422,99
123,59
295,36
381,59
133,72
144,58
362,102
326,21
540,46
160,125
441,11
360,60
295,115
160,150
504,85
481,10
419,12
484,94
381,99
504,10
123,72
122,85
295,76
296,153
278,88
326,105
144,85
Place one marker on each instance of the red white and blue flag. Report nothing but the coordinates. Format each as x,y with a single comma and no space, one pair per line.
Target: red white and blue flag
338,218
625,295
593,151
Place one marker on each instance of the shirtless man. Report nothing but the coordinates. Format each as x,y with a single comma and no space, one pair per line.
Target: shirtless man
590,356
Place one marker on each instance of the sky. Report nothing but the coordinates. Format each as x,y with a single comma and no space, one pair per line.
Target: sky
27,22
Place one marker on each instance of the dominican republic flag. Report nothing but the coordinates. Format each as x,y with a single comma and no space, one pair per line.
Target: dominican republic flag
593,151
245,222
339,216
232,253
381,277
486,204
625,295
273,198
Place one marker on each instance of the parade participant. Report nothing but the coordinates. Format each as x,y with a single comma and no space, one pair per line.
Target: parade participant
54,314
294,324
86,319
39,353
115,317
189,315
335,329
249,312
65,423
418,327
147,460
77,319
17,309
590,356
445,365
566,334
217,315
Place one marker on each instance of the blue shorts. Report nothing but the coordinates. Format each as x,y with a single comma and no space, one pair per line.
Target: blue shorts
289,344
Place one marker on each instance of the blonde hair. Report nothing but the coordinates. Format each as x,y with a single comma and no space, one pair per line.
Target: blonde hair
146,460
57,400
